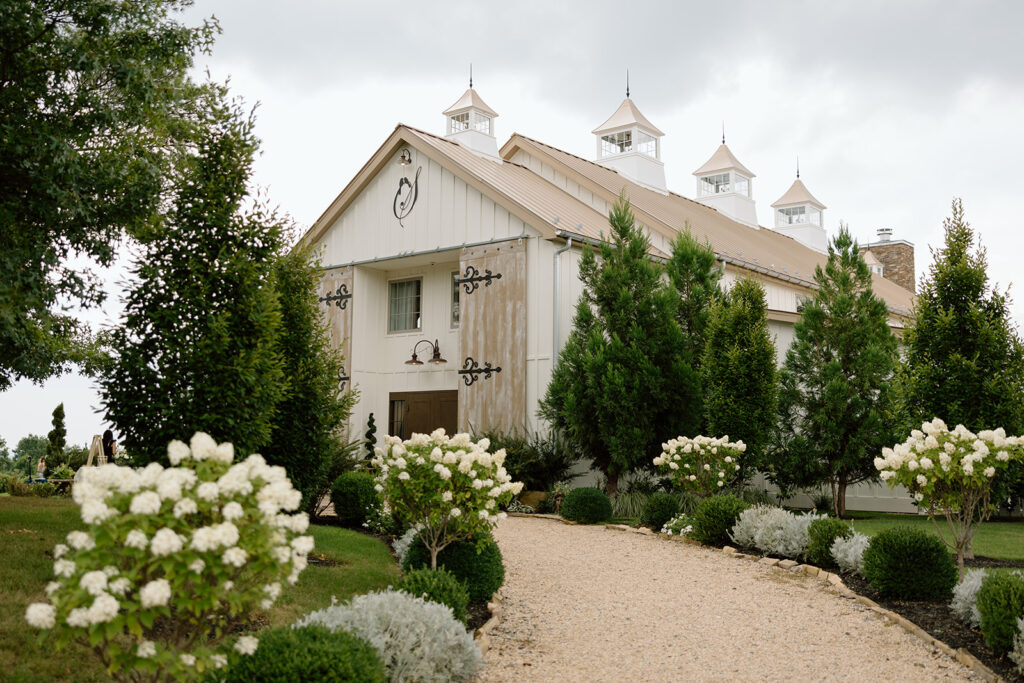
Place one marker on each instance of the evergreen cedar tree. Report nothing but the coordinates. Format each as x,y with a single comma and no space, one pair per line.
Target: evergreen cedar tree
694,274
56,440
305,435
198,350
624,382
835,411
739,375
96,99
964,361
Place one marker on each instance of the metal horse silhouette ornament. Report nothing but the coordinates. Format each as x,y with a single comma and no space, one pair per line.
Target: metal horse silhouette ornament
406,196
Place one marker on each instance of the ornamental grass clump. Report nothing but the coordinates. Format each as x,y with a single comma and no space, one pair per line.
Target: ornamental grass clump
821,535
909,564
437,585
1001,605
170,556
701,464
659,509
450,486
849,553
714,517
951,473
415,639
587,506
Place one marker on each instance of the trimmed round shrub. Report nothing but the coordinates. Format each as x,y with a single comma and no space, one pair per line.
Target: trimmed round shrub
586,505
482,572
1001,604
310,653
354,496
658,510
714,517
437,585
417,640
909,564
821,535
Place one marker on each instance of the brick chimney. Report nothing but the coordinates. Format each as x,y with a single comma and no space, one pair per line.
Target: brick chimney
896,257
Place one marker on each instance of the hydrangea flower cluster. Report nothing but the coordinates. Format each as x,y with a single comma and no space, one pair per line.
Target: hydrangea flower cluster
951,473
701,464
170,555
451,486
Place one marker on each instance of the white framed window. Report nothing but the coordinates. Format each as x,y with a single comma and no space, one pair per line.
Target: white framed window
459,122
455,299
616,143
482,123
813,215
741,184
647,144
405,305
715,184
793,215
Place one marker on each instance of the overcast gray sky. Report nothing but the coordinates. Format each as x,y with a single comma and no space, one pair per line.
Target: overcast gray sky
894,108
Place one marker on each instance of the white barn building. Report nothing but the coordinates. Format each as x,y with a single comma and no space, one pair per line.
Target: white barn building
463,257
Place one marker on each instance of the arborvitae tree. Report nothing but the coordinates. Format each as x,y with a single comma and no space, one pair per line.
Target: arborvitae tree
309,426
740,380
624,383
964,360
198,347
56,440
834,400
694,274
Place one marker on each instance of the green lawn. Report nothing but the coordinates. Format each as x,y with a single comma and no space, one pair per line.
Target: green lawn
1003,540
30,527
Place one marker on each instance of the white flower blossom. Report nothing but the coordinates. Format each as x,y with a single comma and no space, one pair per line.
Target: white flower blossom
232,511
41,615
246,645
136,539
52,587
197,566
94,583
119,586
79,540
187,659
103,609
455,512
145,503
155,593
165,541
208,491
235,556
64,568
59,551
147,648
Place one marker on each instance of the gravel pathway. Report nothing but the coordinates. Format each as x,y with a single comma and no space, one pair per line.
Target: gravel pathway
585,603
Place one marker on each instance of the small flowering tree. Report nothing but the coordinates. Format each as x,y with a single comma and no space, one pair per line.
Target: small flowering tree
951,473
701,464
451,486
169,556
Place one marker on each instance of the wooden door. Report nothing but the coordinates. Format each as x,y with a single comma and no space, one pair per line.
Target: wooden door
422,411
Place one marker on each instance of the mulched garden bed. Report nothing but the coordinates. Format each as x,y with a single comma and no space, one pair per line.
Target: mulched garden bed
478,615
936,618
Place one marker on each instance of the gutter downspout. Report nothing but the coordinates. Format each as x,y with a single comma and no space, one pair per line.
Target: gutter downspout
556,300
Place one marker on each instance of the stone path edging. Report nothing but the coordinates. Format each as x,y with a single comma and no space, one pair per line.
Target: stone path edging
481,634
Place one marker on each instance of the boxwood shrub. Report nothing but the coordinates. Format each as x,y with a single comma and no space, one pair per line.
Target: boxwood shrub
482,572
821,535
658,510
909,564
354,496
586,505
1001,604
310,653
714,517
437,585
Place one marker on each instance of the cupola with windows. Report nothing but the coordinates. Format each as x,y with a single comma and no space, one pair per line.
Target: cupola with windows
723,183
470,122
801,216
630,144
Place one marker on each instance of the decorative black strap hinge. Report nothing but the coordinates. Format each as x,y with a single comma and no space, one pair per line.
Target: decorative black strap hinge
339,298
471,370
472,279
342,379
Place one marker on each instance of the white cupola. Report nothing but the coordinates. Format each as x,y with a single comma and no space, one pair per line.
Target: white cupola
801,216
470,122
630,144
723,183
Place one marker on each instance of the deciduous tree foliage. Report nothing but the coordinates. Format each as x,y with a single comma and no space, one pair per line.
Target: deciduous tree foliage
964,361
308,429
834,400
198,350
624,382
95,96
739,376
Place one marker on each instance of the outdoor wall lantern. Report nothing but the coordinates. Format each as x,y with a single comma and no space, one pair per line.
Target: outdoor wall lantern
436,359
405,157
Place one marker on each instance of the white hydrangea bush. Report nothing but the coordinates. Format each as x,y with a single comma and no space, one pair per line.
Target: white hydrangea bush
170,555
773,531
417,640
951,473
849,553
965,597
702,464
450,486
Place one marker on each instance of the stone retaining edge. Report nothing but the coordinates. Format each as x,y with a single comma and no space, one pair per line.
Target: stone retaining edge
481,637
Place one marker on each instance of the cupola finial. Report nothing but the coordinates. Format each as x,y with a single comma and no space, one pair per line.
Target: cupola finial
471,74
723,131
798,166
627,84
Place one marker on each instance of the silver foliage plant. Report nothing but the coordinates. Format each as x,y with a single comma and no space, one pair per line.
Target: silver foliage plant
401,545
1017,655
773,531
418,641
849,553
965,597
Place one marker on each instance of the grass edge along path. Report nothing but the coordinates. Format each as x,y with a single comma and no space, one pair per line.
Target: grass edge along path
30,528
999,539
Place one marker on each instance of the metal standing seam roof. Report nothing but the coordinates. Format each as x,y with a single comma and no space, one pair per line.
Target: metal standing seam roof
762,250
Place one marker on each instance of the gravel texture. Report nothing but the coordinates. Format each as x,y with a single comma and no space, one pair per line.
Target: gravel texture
586,603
